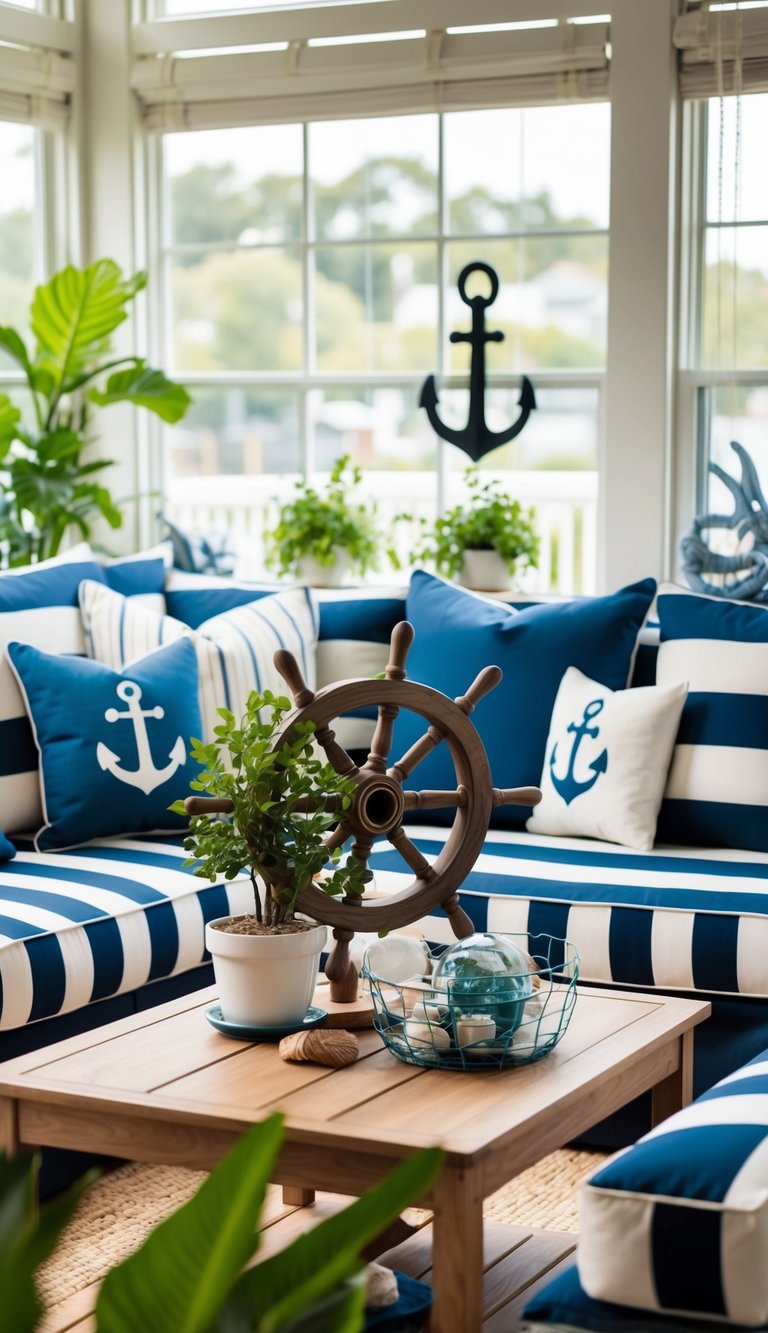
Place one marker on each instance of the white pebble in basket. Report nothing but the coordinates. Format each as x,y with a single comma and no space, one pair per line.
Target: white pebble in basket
426,1035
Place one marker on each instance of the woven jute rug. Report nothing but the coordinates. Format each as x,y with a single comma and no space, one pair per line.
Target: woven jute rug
121,1209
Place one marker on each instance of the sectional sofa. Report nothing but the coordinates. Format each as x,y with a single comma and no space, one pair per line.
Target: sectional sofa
99,915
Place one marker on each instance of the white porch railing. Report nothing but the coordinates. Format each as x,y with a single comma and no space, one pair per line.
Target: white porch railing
245,506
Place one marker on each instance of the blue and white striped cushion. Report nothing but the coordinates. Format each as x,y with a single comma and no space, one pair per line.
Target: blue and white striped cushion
355,629
234,650
679,1222
671,919
102,920
717,791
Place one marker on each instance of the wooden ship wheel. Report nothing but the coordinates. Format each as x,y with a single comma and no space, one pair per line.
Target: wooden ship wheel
380,800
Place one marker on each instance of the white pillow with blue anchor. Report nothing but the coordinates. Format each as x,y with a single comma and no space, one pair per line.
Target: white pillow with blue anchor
607,758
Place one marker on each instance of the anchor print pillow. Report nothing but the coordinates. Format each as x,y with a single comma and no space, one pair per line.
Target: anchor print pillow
606,761
114,746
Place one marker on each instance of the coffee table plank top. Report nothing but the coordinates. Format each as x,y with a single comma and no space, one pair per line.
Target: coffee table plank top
169,1061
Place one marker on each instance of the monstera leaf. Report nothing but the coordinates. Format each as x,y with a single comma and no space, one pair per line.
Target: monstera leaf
146,387
14,346
10,417
73,315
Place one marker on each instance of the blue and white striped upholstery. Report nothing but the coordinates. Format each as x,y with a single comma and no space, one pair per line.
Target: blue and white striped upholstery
234,650
193,598
355,628
673,918
101,920
717,791
679,1222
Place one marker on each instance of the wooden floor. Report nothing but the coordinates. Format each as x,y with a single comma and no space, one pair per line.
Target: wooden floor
517,1262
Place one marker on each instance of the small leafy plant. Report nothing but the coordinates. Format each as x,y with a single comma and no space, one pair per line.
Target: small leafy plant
315,524
46,487
491,520
284,799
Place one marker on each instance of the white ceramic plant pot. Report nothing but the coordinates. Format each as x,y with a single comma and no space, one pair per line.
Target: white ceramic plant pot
485,571
315,575
265,980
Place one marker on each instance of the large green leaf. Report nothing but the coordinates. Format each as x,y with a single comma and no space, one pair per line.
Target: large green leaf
26,1239
183,1272
10,417
146,387
73,315
277,1293
14,346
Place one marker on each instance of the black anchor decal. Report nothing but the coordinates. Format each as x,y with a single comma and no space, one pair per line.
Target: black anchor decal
476,439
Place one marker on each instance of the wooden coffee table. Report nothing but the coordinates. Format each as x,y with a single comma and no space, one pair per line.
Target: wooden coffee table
165,1087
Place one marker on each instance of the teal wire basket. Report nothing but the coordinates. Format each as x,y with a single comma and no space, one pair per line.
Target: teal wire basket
429,1022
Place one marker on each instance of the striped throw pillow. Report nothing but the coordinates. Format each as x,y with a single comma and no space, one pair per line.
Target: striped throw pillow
717,790
679,1223
234,650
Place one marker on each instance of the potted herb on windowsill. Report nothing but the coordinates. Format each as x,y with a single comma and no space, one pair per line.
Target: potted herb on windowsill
282,800
485,543
323,538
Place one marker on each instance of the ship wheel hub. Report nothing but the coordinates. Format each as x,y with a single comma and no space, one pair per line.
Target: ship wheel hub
377,806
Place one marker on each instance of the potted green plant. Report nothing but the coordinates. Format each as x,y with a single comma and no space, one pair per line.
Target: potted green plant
46,485
486,542
323,538
282,799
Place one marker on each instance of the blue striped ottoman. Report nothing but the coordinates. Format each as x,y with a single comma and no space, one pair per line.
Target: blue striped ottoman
676,1226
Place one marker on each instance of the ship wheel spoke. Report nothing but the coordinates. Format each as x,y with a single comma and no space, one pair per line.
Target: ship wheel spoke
436,800
362,847
399,647
411,854
336,754
337,837
418,751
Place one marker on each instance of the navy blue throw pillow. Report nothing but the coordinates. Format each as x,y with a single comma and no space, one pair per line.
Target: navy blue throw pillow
114,746
459,633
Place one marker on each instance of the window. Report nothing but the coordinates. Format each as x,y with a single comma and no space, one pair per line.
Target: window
310,277
729,348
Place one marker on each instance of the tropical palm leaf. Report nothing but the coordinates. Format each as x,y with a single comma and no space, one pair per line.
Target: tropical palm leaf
185,1269
146,387
14,346
73,315
10,416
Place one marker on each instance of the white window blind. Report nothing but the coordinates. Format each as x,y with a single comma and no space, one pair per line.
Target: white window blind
722,51
326,74
37,71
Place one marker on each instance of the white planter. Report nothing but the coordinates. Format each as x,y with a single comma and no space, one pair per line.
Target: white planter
315,575
265,980
485,571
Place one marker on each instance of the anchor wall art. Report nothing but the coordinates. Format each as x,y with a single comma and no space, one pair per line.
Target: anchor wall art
476,438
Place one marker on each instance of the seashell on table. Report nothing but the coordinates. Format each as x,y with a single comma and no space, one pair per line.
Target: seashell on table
333,1047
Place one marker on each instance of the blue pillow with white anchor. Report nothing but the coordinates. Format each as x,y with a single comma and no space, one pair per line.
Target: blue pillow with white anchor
114,746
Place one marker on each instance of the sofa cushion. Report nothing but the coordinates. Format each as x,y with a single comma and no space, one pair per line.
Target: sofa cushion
113,748
193,598
458,633
102,920
234,650
606,760
672,918
355,627
717,791
679,1222
38,605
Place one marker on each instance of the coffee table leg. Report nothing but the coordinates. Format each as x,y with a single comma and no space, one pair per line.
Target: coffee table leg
457,1253
295,1194
9,1126
675,1091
